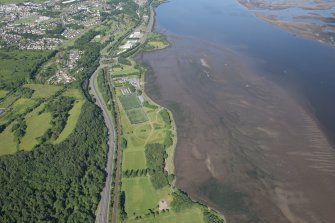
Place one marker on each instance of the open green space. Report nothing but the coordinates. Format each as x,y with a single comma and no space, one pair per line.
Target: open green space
125,71
157,44
133,159
193,215
130,101
22,104
42,90
140,195
37,125
137,116
8,144
156,41
3,93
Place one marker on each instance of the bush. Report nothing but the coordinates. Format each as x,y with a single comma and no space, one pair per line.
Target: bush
210,217
165,116
180,201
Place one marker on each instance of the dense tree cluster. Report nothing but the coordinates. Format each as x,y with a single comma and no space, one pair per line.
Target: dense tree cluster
165,116
122,205
19,129
180,201
57,183
210,217
81,42
155,155
25,92
135,173
59,108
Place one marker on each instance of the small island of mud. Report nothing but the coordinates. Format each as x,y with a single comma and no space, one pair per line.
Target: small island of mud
310,19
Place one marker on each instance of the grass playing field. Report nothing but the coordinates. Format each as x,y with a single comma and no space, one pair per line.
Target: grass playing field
140,195
133,107
137,116
130,101
133,159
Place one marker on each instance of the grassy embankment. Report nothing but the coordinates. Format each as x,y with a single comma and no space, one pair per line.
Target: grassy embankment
145,124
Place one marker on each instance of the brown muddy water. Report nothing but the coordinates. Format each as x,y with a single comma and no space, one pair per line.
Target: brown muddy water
245,147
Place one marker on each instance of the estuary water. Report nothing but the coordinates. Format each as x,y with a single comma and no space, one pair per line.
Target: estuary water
254,111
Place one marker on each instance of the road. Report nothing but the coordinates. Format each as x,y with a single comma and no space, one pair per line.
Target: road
103,207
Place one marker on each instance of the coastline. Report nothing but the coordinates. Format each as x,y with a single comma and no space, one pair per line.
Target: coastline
172,149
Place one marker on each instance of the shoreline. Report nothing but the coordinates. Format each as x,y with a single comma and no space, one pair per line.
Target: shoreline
173,120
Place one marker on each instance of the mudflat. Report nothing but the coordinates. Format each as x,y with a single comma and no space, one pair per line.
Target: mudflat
245,147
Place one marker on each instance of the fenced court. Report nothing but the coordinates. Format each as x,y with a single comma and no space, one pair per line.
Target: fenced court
133,107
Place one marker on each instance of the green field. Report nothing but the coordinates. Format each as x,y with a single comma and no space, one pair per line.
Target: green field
133,159
3,93
126,71
140,195
137,116
139,191
133,107
130,101
37,125
193,215
22,104
42,90
7,145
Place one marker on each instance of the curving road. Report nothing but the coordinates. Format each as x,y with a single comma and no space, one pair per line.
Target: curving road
102,211
103,207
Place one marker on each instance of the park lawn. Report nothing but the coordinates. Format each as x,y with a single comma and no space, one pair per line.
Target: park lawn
71,121
3,93
37,125
43,90
8,144
192,215
140,195
133,159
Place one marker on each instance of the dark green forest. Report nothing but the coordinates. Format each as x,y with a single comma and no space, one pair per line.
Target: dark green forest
155,155
57,183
